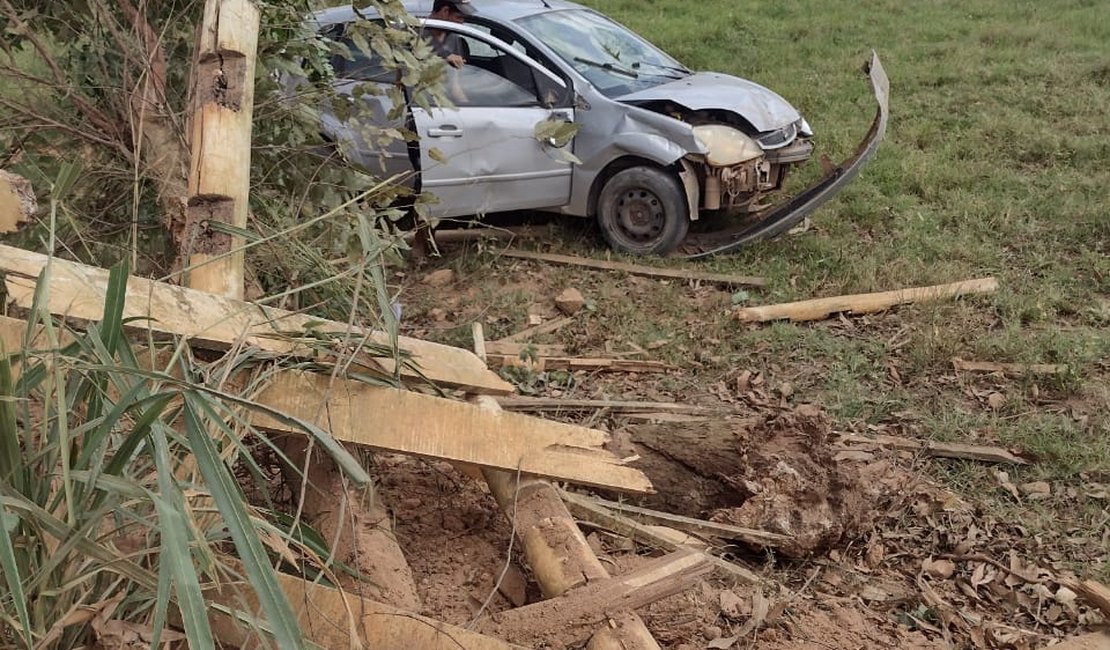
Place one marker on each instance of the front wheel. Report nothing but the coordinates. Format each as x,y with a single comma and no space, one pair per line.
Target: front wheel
642,211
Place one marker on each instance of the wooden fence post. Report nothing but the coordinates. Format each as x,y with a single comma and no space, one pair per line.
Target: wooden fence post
219,172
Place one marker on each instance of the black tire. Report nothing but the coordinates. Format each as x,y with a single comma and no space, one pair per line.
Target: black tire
643,211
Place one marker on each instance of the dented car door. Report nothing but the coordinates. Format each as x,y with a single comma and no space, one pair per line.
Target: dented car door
483,154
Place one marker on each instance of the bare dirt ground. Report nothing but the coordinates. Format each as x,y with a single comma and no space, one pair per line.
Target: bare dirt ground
885,555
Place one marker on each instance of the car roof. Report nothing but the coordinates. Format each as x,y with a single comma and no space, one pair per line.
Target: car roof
497,10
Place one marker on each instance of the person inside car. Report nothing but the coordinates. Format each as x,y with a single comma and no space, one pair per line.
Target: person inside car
448,45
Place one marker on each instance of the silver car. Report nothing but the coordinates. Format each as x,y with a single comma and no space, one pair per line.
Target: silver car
653,147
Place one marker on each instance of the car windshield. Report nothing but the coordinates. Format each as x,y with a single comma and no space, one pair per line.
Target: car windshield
615,60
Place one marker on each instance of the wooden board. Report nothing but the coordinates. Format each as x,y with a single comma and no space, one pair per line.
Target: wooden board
863,303
414,423
939,449
327,617
78,291
639,269
578,363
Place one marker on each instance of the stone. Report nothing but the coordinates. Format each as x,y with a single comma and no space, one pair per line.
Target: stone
1036,489
570,301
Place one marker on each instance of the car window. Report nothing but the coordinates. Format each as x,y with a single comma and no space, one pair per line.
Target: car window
614,59
474,86
494,76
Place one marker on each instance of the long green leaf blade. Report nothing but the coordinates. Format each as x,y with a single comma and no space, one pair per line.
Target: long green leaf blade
230,504
8,525
112,327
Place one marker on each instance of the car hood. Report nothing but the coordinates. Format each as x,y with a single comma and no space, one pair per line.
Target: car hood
762,108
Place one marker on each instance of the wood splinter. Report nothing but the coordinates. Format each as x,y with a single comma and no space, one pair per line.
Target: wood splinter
863,303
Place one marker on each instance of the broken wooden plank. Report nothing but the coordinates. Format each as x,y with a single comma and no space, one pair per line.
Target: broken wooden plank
1010,369
574,616
639,269
555,548
940,449
436,427
698,526
511,348
78,291
579,363
863,303
330,618
587,510
542,328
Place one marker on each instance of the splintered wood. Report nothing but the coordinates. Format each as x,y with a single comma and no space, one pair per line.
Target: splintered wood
330,618
863,303
78,292
576,615
409,422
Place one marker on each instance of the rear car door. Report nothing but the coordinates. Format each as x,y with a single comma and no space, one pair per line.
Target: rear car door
482,155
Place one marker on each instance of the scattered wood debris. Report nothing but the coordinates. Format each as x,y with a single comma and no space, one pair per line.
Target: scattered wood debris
940,449
574,616
698,526
578,363
637,269
863,303
556,550
1009,369
590,511
544,328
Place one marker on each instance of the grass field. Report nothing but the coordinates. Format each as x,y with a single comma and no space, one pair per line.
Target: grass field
995,164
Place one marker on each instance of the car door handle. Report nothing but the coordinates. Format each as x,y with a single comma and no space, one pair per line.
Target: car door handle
445,131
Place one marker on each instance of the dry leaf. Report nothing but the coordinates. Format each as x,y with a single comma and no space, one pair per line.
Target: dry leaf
996,401
939,568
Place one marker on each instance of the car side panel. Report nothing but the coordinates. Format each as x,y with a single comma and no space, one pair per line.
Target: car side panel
488,160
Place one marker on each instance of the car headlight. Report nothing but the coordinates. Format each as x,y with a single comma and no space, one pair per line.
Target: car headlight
726,145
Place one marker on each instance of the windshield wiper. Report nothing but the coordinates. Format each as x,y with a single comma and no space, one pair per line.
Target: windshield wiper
682,71
609,66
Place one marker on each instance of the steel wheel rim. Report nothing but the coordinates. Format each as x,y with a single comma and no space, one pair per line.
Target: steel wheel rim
640,215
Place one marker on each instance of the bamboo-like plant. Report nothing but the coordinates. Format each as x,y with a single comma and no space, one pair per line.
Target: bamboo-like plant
103,525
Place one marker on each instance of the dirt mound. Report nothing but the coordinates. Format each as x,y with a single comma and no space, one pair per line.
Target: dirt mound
773,472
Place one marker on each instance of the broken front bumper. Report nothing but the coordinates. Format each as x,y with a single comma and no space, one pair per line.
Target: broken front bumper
779,220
